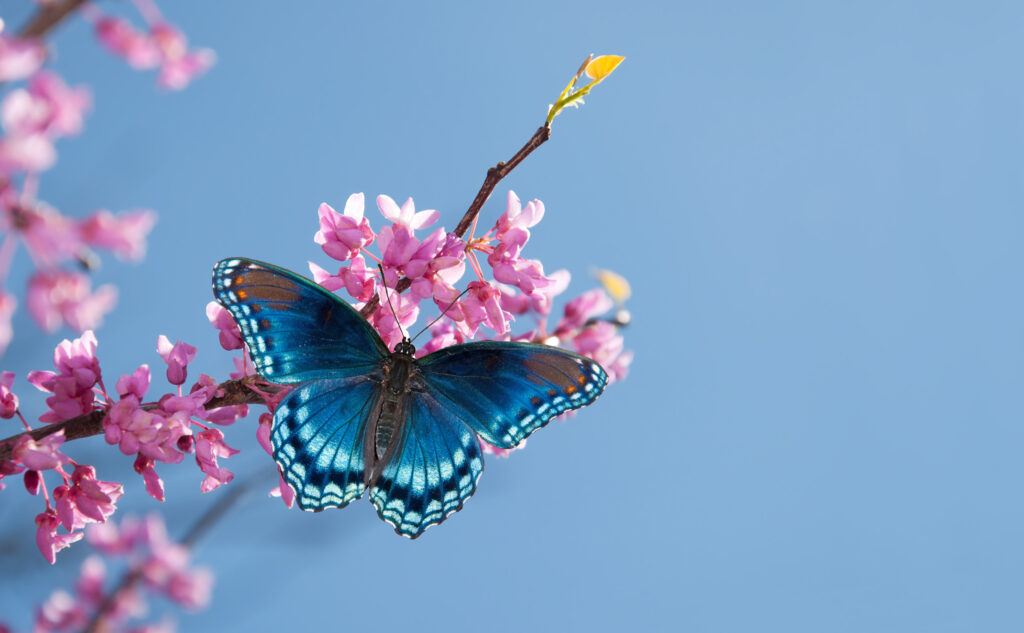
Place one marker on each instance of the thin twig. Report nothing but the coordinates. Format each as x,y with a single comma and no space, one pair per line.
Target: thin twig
494,176
195,532
48,16
87,424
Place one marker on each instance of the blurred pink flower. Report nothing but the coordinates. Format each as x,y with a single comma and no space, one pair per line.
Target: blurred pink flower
578,311
66,297
177,357
284,491
19,58
230,336
8,400
8,303
125,41
47,106
32,153
602,342
179,65
341,235
123,234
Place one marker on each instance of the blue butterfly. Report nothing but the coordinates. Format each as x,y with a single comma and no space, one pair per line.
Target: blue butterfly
361,418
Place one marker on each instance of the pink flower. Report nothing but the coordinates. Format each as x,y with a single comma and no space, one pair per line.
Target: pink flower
48,540
32,153
123,234
48,106
19,58
284,491
230,336
179,66
355,278
87,500
154,485
136,383
512,228
177,357
209,446
89,587
72,387
8,400
602,342
342,235
406,216
406,308
8,303
8,468
480,306
150,434
60,612
40,455
263,432
583,308
122,39
66,297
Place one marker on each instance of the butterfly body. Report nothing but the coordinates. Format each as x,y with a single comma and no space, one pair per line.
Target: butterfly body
362,419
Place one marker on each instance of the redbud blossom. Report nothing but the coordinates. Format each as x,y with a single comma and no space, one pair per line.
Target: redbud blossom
177,357
209,446
341,235
47,539
230,337
8,400
64,297
43,454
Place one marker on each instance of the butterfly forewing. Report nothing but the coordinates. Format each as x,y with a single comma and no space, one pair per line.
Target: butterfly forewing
506,390
295,330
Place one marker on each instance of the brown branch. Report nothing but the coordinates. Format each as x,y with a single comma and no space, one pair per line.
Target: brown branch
494,176
49,15
235,392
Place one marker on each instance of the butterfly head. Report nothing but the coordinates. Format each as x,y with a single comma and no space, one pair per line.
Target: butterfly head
405,348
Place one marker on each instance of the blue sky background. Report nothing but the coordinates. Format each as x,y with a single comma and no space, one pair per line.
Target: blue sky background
818,205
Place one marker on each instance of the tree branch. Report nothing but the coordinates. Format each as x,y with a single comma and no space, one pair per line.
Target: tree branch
49,15
235,392
494,176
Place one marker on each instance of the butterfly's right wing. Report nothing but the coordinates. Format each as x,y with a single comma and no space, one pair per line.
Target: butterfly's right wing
295,330
318,439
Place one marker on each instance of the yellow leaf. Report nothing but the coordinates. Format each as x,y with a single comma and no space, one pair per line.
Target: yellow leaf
601,67
615,284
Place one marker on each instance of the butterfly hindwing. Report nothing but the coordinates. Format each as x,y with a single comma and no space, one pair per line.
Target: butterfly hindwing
432,473
507,390
318,440
295,330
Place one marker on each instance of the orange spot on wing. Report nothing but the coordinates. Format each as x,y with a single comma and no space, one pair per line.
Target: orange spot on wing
582,379
570,389
241,294
535,401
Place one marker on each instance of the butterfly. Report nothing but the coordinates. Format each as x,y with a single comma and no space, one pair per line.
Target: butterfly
361,418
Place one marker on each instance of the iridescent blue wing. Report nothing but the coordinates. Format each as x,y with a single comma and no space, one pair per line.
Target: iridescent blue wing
295,330
318,440
505,390
433,471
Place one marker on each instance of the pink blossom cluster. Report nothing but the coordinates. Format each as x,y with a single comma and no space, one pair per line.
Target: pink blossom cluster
154,565
164,429
435,264
34,115
160,46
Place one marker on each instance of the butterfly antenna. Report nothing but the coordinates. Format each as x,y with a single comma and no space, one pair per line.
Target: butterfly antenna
442,314
388,297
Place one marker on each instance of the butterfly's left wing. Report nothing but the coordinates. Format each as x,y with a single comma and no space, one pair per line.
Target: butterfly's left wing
295,330
433,471
507,390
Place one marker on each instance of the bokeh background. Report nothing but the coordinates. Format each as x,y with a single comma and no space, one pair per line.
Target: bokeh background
818,205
